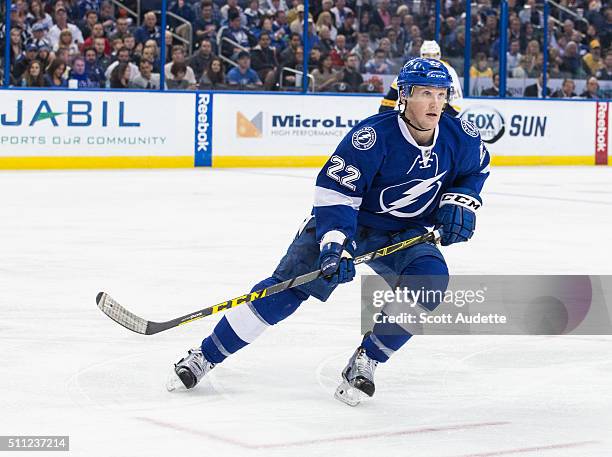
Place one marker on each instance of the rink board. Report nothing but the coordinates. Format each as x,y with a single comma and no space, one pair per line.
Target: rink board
100,129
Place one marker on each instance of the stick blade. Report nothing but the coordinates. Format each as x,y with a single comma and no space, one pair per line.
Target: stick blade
119,314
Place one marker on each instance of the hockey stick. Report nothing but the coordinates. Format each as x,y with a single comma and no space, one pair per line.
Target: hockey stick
139,325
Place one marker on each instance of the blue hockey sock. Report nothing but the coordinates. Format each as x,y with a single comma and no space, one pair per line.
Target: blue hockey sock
387,338
242,325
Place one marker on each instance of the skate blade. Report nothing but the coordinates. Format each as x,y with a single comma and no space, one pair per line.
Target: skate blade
348,394
174,383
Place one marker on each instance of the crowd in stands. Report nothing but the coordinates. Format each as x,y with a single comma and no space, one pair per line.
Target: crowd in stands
259,44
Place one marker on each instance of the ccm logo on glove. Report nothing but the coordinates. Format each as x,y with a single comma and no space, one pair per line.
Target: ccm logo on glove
466,201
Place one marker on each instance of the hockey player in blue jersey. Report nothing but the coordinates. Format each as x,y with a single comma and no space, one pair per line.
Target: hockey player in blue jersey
392,177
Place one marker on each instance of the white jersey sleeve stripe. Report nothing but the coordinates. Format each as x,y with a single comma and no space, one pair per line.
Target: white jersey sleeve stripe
329,197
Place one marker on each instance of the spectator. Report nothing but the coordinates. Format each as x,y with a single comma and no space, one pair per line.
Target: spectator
243,74
592,88
16,44
97,31
23,62
571,63
535,90
55,74
107,16
379,65
44,56
365,24
37,15
149,30
382,16
457,47
254,15
325,76
281,30
326,43
236,33
395,49
181,9
363,50
120,76
200,59
325,19
513,56
232,7
349,30
522,71
530,14
492,91
92,68
78,72
123,57
33,76
351,76
566,90
177,81
103,59
91,19
61,23
178,56
264,62
592,61
39,36
66,42
129,41
295,18
293,79
287,57
147,79
315,58
214,75
605,74
206,26
271,7
339,52
341,12
122,27
481,68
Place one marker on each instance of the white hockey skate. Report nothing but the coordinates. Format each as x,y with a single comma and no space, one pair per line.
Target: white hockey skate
189,370
357,379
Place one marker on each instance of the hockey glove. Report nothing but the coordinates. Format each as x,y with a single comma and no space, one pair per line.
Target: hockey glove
335,263
457,214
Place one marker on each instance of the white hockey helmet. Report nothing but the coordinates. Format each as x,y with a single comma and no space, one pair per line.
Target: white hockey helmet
431,50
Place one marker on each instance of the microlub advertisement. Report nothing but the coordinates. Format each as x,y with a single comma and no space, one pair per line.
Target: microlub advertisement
486,305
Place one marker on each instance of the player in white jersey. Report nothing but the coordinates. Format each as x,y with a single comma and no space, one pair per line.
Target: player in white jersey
429,50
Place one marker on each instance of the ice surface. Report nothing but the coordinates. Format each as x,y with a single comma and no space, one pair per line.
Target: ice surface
166,243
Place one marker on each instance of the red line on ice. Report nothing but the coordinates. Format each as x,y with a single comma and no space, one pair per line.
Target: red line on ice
549,447
331,439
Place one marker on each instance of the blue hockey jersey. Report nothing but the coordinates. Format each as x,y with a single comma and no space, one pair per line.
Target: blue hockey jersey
379,177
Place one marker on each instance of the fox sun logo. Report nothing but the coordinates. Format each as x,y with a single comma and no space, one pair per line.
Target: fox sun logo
364,138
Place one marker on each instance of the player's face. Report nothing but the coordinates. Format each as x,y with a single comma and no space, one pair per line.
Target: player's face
424,107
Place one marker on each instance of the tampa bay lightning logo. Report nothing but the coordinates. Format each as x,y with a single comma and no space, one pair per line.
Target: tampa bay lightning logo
364,138
469,128
412,197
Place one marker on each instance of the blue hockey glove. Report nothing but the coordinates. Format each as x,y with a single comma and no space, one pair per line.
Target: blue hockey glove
457,214
333,265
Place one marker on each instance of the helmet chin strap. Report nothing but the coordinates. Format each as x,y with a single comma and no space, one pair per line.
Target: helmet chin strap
403,116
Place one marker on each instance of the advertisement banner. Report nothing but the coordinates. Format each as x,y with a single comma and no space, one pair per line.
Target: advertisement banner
96,124
285,125
520,128
286,130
